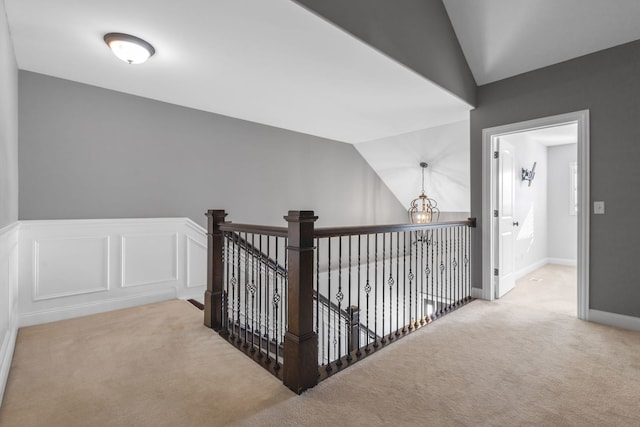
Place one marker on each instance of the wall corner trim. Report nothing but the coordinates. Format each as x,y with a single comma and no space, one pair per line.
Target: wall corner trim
9,307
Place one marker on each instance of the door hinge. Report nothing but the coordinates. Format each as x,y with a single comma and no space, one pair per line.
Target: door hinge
496,154
495,213
495,271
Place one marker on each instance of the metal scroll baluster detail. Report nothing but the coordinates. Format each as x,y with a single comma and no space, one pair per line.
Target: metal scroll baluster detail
441,267
398,287
339,298
233,285
390,282
276,310
422,280
375,293
238,294
367,289
252,292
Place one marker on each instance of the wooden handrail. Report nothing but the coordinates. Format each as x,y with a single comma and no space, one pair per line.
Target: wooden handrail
266,230
323,232
388,228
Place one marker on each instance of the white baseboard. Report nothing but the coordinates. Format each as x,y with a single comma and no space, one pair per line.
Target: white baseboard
531,267
614,319
85,309
477,293
541,263
192,293
562,261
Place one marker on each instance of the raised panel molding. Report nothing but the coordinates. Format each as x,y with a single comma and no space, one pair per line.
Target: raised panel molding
70,266
149,259
196,263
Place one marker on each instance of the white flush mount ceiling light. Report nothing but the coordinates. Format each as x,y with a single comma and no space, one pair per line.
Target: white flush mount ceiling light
130,49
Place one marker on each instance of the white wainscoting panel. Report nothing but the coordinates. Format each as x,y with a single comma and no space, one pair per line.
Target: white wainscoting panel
57,272
149,259
8,299
196,257
71,268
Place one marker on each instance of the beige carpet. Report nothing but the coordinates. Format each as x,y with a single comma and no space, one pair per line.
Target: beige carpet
501,363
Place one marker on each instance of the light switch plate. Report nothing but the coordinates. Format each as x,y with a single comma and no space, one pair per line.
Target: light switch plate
598,208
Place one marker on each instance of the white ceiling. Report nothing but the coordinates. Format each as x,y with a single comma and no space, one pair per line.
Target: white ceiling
549,136
270,62
503,38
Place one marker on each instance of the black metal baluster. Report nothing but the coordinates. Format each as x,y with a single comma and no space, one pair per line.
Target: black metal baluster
414,308
367,289
233,285
435,294
375,293
467,243
252,291
390,282
285,291
328,368
421,269
276,310
261,264
267,299
383,340
447,268
349,326
404,281
246,291
238,293
339,297
358,352
428,277
398,284
458,258
225,305
317,319
441,268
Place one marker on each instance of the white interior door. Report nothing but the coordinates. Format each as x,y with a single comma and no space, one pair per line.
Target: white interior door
505,279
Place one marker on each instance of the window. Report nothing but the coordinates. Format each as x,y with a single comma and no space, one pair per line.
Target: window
573,188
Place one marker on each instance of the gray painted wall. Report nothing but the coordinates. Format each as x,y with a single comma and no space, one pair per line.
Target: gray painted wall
87,152
416,33
607,84
563,227
8,126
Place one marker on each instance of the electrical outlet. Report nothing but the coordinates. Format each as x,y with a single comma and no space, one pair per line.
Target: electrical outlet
598,208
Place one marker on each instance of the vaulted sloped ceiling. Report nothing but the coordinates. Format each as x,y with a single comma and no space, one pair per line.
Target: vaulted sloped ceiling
271,62
503,38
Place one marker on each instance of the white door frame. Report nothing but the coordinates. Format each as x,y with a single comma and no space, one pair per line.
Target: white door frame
488,197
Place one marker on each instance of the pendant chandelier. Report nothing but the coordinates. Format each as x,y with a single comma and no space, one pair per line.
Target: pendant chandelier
423,209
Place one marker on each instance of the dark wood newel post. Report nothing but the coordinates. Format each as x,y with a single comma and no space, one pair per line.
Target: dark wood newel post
213,296
300,370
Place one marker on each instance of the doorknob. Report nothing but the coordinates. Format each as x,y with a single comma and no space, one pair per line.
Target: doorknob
515,223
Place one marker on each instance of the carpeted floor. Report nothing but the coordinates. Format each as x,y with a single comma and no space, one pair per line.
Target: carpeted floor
515,361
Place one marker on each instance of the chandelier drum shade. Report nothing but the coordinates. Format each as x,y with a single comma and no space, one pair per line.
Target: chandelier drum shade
423,209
